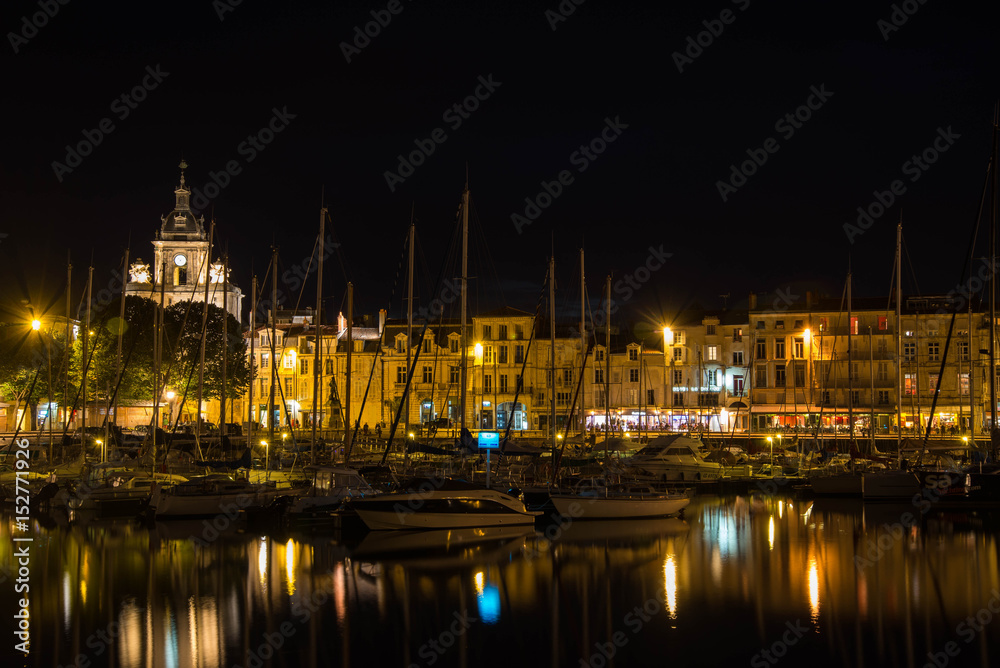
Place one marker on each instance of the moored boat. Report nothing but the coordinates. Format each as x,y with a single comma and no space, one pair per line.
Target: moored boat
442,504
675,457
623,502
214,494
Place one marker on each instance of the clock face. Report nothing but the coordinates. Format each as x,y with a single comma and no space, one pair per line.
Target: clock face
180,260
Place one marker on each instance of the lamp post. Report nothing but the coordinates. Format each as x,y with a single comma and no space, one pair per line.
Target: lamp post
770,442
668,370
36,325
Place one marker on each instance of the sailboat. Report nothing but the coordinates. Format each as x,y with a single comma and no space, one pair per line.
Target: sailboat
599,499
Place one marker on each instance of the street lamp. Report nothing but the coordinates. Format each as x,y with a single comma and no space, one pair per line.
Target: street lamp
36,325
770,442
266,457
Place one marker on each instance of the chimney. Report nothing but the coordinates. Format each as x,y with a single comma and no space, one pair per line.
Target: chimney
341,324
381,320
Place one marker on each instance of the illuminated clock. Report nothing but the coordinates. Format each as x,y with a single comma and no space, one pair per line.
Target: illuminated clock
180,260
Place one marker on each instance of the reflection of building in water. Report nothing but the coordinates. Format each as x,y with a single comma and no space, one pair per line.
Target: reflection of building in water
175,602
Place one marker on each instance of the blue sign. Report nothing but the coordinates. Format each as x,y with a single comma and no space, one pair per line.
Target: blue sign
489,440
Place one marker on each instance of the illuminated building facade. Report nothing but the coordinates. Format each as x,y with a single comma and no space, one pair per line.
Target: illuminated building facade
182,257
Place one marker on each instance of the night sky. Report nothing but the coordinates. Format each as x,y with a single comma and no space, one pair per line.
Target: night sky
642,124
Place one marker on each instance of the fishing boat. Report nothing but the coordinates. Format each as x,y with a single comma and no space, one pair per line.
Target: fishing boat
444,503
675,457
620,502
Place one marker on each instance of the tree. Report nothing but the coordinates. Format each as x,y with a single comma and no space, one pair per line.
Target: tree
185,347
25,356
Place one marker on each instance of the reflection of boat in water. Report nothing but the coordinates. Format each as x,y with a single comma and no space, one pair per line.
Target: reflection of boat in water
439,547
442,504
625,530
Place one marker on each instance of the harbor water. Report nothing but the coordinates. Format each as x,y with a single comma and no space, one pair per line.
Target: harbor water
748,580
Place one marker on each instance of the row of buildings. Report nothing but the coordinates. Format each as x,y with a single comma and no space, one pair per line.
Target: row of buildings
808,368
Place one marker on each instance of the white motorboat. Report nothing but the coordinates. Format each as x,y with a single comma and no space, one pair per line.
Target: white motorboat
442,503
624,503
675,457
214,494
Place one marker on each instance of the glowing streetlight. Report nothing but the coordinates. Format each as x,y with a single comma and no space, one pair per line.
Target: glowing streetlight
479,352
36,324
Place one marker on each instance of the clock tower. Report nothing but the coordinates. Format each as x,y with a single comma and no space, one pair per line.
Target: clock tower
181,261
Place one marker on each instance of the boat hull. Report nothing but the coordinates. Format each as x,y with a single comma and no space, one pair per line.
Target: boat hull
842,484
904,485
166,505
604,508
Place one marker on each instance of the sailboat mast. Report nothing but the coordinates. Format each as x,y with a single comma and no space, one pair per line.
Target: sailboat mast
993,296
161,312
274,334
69,306
409,316
552,344
850,366
464,280
253,358
83,360
347,381
204,336
318,316
225,345
871,371
607,364
121,331
583,345
899,339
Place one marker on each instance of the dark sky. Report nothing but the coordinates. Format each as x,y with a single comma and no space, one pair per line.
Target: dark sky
888,94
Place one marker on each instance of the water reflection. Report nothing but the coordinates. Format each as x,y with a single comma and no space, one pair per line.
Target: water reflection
716,588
